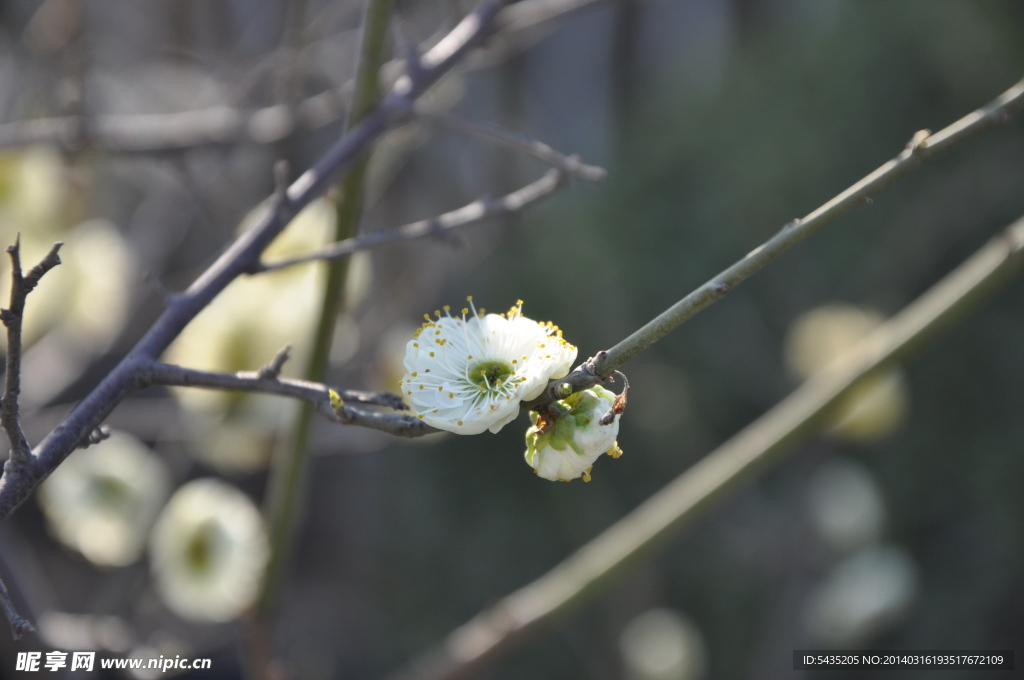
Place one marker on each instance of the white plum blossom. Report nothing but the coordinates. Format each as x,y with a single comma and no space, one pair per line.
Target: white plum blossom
208,552
102,501
466,374
563,443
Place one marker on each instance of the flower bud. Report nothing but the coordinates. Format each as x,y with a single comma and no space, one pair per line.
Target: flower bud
563,443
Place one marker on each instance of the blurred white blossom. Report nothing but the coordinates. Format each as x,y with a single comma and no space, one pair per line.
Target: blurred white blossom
564,443
33,190
468,373
846,505
208,551
663,644
242,330
826,335
86,297
861,597
102,500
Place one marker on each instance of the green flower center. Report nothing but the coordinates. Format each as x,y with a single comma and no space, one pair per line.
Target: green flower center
490,373
112,493
201,547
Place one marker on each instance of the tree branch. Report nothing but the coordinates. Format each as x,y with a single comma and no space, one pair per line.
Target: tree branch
242,256
439,227
520,616
922,147
21,453
255,382
316,394
494,133
216,125
21,286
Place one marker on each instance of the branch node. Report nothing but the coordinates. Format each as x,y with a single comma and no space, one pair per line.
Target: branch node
272,370
440,232
721,288
97,435
166,293
282,172
619,405
917,142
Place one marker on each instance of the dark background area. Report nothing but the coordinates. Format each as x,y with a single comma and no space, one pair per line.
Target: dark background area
718,121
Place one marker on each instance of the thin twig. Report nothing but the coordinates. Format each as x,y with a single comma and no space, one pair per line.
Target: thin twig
242,256
522,615
256,382
272,370
19,626
21,285
922,147
515,140
441,226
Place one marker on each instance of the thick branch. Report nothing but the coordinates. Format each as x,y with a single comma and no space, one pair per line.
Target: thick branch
637,536
922,147
440,227
539,150
243,255
255,382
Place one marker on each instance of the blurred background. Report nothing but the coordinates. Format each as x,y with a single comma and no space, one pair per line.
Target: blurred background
718,121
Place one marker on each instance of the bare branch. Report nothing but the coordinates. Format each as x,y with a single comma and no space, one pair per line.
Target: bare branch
398,424
922,147
217,125
21,285
242,256
440,227
522,615
513,140
256,382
